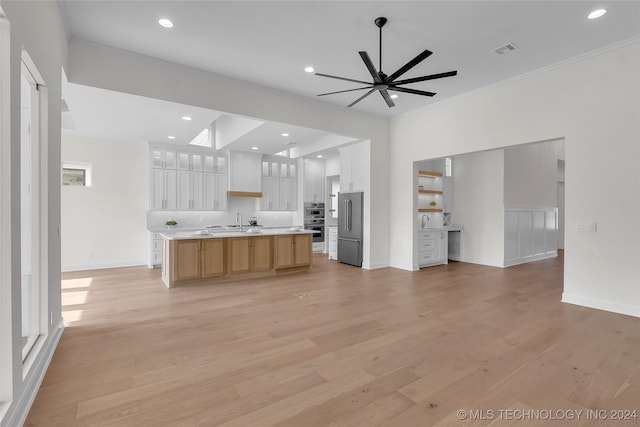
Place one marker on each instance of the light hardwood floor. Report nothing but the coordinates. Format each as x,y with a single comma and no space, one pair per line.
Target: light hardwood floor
337,346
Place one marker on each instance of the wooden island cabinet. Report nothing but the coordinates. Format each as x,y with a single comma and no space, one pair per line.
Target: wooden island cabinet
248,254
193,259
292,250
188,260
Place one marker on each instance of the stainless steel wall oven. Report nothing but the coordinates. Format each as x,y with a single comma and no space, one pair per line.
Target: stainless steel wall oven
314,220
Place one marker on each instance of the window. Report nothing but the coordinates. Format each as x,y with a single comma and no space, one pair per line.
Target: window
32,170
284,153
74,177
202,139
448,168
6,380
76,174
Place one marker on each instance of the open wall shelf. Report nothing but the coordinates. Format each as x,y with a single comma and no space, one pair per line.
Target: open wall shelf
430,174
429,210
423,191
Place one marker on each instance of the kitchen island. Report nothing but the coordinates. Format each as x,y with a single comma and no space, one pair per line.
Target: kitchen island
203,257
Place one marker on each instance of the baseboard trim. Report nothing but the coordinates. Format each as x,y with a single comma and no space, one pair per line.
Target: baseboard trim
481,262
613,307
511,262
377,266
69,268
19,409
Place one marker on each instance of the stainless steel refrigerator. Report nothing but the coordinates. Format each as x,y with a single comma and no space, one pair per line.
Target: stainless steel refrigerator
350,228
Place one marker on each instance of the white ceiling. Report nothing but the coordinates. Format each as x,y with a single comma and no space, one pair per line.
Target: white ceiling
270,42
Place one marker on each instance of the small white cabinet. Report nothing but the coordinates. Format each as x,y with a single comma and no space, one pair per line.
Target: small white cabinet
333,242
432,247
156,250
162,158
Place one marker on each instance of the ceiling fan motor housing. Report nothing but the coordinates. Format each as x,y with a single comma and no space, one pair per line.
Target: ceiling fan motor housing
380,21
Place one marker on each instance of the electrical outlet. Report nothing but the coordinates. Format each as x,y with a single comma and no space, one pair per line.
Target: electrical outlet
587,227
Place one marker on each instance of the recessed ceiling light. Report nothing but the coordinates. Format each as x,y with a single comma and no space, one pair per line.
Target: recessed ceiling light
285,134
309,69
165,22
319,156
597,13
254,148
187,118
394,96
171,137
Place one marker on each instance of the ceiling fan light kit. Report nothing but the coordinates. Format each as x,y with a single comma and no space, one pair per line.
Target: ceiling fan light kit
382,82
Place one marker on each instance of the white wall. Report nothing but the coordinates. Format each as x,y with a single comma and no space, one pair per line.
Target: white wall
596,115
104,225
478,180
38,28
530,174
113,69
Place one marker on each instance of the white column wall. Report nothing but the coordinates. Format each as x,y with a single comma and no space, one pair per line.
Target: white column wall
478,180
36,26
531,174
105,225
598,117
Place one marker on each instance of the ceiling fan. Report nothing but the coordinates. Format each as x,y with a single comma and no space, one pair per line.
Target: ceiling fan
384,83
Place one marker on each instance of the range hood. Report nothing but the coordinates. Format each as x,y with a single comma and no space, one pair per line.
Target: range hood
250,194
245,174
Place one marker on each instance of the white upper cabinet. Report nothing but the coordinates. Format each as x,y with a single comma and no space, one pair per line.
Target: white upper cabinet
214,163
314,178
215,191
190,191
279,184
162,158
187,179
189,161
162,194
352,168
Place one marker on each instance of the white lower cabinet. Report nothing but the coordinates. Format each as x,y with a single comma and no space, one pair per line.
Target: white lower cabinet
333,242
432,247
155,258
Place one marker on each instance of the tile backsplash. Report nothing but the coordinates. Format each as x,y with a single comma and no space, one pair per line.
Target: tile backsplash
199,219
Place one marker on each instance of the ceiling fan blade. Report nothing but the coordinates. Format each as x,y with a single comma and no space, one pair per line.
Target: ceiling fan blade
342,78
343,91
409,65
413,91
387,98
370,66
361,98
429,77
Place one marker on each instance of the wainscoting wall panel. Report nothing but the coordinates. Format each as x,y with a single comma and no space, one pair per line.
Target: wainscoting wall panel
531,233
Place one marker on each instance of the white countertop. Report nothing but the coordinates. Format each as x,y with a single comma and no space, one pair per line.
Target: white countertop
213,229
222,233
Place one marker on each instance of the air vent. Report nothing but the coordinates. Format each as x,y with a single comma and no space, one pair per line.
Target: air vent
509,47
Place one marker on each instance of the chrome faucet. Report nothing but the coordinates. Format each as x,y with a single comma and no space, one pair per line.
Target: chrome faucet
239,220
